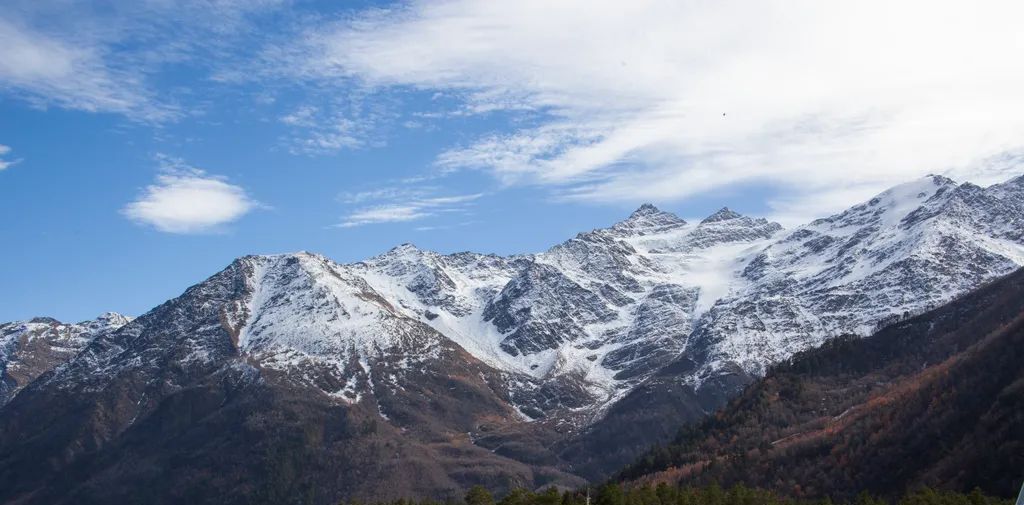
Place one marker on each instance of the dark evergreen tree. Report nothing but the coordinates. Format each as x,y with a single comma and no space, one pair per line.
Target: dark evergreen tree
479,495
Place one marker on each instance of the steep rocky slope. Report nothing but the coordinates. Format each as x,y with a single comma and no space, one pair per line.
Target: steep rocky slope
935,400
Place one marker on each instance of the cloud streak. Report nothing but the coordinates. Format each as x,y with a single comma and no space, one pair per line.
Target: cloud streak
87,57
661,100
46,70
403,209
6,163
187,200
318,132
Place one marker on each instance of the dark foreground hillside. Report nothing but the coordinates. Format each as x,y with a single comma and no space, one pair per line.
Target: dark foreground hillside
663,494
936,400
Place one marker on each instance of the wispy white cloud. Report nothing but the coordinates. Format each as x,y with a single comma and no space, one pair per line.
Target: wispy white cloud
301,116
47,70
441,227
662,99
340,134
4,162
185,200
103,58
335,125
403,206
533,153
390,213
384,193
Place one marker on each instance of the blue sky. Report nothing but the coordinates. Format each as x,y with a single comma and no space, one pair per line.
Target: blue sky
145,144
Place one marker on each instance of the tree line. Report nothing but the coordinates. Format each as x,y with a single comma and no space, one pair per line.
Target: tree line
665,494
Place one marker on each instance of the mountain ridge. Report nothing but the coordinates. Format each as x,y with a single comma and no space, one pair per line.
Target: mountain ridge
28,349
608,308
524,369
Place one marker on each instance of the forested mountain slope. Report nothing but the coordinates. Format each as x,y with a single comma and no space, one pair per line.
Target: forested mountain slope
935,400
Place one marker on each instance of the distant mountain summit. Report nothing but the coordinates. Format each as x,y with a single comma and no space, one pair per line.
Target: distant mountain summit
513,370
723,214
648,219
29,349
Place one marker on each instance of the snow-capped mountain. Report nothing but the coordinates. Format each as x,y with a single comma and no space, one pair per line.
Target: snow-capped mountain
29,349
909,249
536,348
604,310
570,329
289,360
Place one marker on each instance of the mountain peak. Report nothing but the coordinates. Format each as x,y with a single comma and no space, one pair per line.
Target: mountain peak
648,219
106,321
908,196
940,180
723,214
43,320
646,209
402,253
403,248
113,318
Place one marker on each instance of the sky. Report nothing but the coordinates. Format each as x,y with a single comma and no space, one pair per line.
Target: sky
144,144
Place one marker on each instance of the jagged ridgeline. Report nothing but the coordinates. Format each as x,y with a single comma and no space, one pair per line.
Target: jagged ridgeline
419,374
